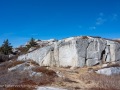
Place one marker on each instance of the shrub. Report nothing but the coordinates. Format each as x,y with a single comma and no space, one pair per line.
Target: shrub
85,37
32,43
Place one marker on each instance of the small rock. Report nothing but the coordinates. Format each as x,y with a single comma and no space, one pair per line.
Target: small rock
11,56
59,74
32,73
104,65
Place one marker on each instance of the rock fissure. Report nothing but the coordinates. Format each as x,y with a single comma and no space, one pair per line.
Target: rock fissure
86,53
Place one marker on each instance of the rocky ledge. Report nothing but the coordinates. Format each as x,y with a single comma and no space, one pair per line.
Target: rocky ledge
75,52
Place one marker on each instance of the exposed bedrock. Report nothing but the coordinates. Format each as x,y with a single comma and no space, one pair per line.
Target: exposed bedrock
76,52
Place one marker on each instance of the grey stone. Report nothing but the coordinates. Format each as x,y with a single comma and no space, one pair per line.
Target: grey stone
21,67
92,62
36,74
104,65
109,71
49,88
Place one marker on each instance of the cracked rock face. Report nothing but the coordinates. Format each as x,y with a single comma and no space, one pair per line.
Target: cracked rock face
76,52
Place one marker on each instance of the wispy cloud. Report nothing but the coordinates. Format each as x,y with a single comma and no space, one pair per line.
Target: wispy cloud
114,17
92,28
100,21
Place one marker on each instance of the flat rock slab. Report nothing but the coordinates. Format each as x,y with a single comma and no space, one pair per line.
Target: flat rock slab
49,88
109,71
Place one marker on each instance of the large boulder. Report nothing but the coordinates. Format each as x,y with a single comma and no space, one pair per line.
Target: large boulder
38,55
75,52
109,71
21,67
25,68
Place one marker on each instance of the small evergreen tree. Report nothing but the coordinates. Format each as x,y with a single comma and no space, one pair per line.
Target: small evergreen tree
32,43
6,48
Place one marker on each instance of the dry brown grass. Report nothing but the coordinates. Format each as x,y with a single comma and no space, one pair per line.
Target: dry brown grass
28,82
14,63
84,37
68,80
102,82
46,80
45,71
23,78
96,88
117,41
48,76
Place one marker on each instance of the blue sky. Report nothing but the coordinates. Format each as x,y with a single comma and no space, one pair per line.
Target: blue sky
44,19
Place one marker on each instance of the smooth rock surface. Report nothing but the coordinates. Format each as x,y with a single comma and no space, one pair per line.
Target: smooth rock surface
49,88
109,71
92,62
21,67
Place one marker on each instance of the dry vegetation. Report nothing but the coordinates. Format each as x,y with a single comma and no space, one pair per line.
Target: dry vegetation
117,41
45,71
23,78
19,88
84,37
102,82
77,79
31,62
14,63
81,79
